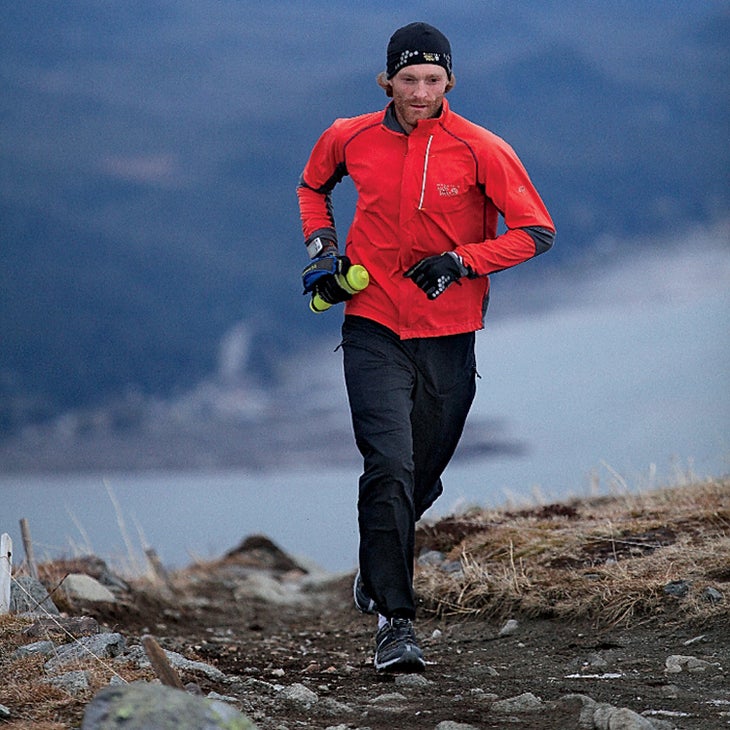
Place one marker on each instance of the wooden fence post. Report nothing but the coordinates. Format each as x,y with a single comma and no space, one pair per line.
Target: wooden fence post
6,571
28,546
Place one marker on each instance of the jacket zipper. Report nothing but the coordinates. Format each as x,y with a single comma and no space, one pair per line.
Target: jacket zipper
425,170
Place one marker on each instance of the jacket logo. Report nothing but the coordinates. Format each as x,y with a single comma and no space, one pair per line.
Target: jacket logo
447,191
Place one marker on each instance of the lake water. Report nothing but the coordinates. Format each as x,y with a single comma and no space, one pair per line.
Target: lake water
629,390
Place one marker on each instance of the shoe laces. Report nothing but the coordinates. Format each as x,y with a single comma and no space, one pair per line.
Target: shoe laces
401,628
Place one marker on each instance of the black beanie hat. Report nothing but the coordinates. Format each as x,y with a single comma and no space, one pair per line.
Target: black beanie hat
418,43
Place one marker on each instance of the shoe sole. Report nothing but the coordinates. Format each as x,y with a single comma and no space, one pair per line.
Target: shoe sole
409,662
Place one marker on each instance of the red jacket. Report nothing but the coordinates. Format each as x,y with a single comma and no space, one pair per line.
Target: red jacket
439,188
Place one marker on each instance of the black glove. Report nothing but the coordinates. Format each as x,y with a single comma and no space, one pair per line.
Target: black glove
435,274
320,277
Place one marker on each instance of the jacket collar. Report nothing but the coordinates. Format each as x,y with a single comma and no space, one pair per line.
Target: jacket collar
390,121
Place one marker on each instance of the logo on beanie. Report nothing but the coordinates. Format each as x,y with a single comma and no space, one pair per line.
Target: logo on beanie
406,57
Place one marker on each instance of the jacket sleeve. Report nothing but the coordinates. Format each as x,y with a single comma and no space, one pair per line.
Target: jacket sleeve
530,230
324,169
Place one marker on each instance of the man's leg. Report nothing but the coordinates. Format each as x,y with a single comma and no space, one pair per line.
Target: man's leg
444,393
380,380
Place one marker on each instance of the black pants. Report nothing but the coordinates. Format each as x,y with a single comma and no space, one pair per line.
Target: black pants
409,400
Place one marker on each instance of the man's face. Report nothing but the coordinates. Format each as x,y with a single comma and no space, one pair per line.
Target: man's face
418,93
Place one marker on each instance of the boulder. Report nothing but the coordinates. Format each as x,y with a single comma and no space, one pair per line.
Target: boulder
141,706
82,587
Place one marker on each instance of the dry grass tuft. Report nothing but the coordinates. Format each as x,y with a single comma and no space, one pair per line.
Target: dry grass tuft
32,700
606,559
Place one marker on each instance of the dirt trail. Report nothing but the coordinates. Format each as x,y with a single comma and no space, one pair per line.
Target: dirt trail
321,642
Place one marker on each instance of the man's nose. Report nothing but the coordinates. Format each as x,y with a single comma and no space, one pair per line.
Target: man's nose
421,89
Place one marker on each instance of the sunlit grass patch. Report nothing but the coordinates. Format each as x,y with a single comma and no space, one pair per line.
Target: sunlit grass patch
604,559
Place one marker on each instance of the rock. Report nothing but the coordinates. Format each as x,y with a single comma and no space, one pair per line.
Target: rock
266,588
677,663
4,713
411,680
583,706
93,566
259,552
42,648
141,706
669,691
138,655
712,594
222,698
677,588
298,694
508,629
74,682
101,646
608,717
453,568
431,557
260,687
526,702
82,587
694,640
451,725
334,708
28,595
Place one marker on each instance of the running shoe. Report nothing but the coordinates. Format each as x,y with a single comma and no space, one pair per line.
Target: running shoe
396,649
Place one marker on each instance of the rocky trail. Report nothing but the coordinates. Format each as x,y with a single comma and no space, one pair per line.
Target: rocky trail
282,644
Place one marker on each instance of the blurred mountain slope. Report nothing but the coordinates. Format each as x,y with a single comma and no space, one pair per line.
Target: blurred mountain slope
149,154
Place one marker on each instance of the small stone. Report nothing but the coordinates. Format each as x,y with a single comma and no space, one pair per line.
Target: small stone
508,629
42,648
437,634
4,713
100,646
712,594
669,691
431,557
694,640
334,708
677,663
608,717
73,683
222,698
677,588
411,680
298,694
453,567
526,702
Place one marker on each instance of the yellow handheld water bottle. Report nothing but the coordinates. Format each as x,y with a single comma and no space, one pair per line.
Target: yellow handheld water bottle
354,280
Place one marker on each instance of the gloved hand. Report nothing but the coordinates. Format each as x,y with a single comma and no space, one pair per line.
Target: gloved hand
319,276
435,274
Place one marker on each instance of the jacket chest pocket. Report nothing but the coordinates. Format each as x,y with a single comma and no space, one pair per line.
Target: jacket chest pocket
444,186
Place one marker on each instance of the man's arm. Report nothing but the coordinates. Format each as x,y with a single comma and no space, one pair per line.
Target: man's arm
321,174
530,229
